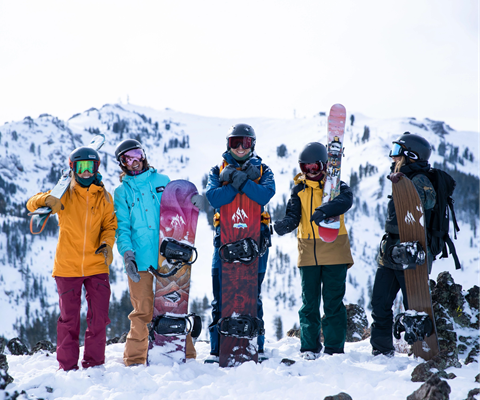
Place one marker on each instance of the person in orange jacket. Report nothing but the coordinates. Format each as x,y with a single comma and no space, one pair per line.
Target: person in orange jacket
87,222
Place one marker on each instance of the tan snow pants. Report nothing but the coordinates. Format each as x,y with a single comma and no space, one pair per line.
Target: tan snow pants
141,296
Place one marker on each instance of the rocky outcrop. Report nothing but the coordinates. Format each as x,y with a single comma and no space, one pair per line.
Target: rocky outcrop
433,389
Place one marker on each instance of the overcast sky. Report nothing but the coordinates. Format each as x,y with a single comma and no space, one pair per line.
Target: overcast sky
409,58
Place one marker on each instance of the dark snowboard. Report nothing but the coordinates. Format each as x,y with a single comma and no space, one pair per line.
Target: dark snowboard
178,220
411,225
238,220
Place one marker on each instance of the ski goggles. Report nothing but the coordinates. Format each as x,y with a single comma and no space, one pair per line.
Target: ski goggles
398,150
313,168
246,142
130,156
86,165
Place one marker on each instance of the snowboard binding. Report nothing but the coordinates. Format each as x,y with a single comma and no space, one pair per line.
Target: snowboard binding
415,325
177,254
243,251
408,254
242,326
168,325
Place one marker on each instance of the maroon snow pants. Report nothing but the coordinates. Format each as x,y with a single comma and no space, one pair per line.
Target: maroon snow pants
68,325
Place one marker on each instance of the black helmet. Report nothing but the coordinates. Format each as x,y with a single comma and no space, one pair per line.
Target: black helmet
413,147
126,145
83,154
312,153
242,130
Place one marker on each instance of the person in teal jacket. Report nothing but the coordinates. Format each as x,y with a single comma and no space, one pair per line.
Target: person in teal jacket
137,206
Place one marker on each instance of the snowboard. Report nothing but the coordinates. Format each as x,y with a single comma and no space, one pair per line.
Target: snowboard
411,225
178,220
239,219
40,215
328,229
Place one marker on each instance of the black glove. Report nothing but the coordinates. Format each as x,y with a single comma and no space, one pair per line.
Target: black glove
318,216
283,227
227,174
252,171
131,266
395,176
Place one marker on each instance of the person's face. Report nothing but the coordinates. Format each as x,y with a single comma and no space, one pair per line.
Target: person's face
396,159
240,151
85,175
136,165
133,159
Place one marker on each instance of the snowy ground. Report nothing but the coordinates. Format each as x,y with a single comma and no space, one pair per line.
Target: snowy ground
357,373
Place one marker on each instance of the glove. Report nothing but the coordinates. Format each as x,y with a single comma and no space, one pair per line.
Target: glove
131,266
252,171
227,174
282,227
396,176
318,216
106,250
198,201
239,179
54,203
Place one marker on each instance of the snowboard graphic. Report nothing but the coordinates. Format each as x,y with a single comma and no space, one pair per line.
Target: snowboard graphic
411,225
328,229
40,215
178,220
239,220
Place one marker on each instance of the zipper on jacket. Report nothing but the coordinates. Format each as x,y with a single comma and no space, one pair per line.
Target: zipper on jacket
313,229
85,234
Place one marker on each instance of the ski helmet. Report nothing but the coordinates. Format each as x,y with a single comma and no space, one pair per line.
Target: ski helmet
242,130
126,145
84,154
413,147
312,153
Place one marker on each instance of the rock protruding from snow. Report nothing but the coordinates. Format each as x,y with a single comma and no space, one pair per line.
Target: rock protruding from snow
433,389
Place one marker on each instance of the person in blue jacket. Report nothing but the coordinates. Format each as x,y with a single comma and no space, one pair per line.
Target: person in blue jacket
137,205
241,171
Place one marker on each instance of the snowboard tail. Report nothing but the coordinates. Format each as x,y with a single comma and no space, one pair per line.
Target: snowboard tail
411,225
328,229
239,286
178,225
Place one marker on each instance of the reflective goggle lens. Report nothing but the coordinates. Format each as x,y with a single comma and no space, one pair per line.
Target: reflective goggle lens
396,151
130,156
313,168
86,165
235,142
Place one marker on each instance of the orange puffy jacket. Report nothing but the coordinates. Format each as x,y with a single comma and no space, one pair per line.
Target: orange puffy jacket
87,221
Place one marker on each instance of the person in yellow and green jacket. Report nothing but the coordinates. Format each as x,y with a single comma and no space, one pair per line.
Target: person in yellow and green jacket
323,266
87,222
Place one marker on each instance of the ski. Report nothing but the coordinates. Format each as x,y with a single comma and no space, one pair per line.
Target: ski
328,229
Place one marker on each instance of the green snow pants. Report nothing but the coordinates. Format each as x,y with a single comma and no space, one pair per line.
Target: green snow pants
327,282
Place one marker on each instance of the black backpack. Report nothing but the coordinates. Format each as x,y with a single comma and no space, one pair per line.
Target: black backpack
439,218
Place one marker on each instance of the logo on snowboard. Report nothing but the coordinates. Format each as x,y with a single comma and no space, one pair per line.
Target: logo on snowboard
409,218
173,298
239,218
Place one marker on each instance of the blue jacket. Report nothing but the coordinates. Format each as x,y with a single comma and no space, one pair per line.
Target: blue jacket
137,205
219,195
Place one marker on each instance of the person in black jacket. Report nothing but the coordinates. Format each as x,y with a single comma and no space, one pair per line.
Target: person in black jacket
410,154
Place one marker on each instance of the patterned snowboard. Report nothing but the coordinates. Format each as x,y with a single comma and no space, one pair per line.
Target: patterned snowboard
411,225
40,215
328,229
238,220
178,220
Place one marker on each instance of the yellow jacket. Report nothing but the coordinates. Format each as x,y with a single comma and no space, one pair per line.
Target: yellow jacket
87,221
305,198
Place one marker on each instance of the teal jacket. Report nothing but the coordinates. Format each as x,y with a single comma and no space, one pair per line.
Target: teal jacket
137,205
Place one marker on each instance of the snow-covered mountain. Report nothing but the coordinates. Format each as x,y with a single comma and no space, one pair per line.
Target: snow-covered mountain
34,151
